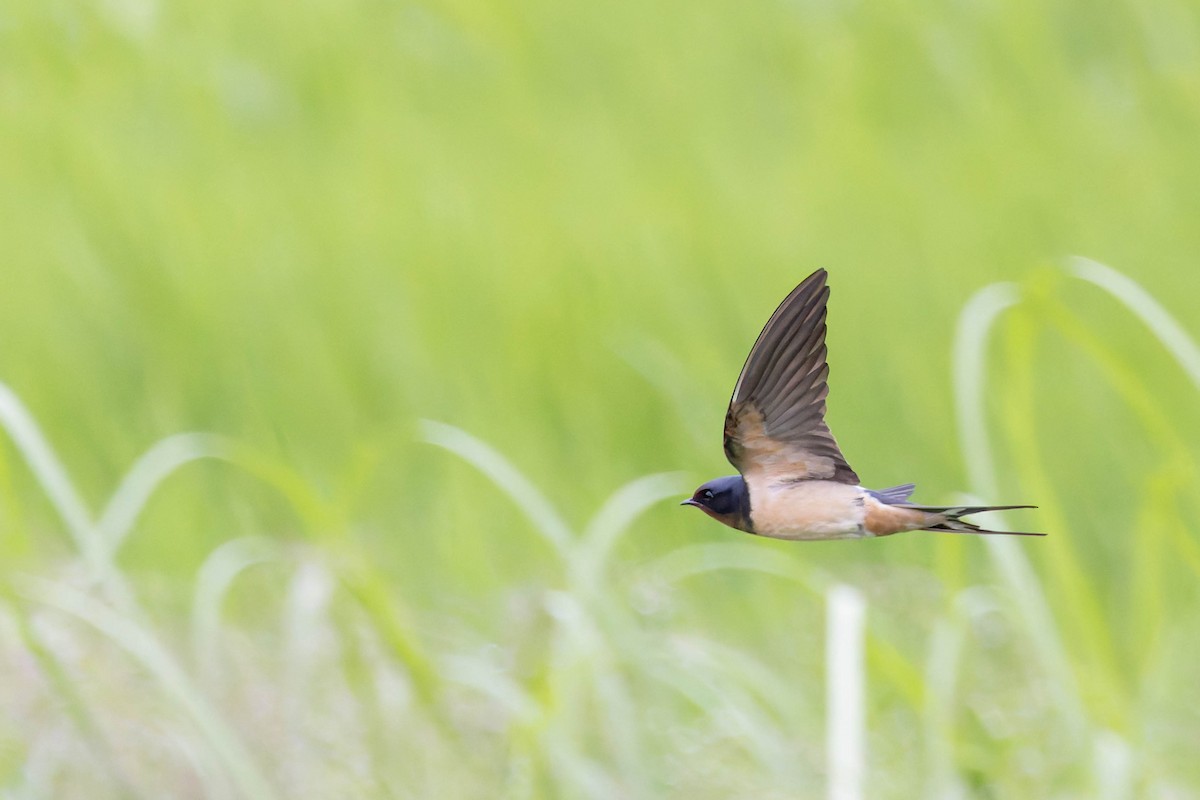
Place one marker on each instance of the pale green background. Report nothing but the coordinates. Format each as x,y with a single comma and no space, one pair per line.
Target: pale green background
558,226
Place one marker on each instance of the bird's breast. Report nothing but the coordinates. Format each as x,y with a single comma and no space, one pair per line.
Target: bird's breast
807,509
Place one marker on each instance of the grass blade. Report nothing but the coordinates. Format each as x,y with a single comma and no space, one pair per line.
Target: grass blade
969,378
590,557
1129,292
57,484
154,658
144,477
508,478
213,580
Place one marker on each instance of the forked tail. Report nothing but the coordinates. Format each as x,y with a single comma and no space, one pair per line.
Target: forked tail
952,521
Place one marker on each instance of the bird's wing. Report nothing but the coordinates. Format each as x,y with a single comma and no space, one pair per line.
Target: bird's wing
775,426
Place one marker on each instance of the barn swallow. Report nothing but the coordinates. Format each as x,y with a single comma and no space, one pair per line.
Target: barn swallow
794,482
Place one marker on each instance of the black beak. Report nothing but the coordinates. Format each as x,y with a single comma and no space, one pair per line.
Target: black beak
690,502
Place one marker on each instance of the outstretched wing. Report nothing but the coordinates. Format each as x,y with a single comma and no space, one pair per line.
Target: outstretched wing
775,426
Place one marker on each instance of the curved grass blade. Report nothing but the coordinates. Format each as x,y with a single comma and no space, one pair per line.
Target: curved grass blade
697,559
975,325
144,477
216,574
969,378
158,662
589,558
68,697
508,478
1101,682
1178,342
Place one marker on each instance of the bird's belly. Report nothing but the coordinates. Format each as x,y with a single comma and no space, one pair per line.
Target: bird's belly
808,510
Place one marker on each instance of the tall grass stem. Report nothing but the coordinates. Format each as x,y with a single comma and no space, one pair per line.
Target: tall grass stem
846,612
975,324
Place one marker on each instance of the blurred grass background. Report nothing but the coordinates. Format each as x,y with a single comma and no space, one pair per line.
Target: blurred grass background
559,226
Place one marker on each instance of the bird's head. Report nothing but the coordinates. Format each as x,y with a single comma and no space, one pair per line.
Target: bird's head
726,500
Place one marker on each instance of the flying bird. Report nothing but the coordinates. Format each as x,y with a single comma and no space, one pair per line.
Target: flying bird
794,482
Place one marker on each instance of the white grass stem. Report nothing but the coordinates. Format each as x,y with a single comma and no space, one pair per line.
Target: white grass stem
1114,767
845,685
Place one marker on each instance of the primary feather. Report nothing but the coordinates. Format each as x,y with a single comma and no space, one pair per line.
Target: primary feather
775,425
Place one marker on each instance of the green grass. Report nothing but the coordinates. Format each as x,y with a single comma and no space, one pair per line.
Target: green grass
415,318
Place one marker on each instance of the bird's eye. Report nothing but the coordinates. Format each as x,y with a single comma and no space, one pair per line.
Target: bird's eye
708,495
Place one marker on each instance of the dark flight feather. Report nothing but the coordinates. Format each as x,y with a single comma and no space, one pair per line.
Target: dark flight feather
776,419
